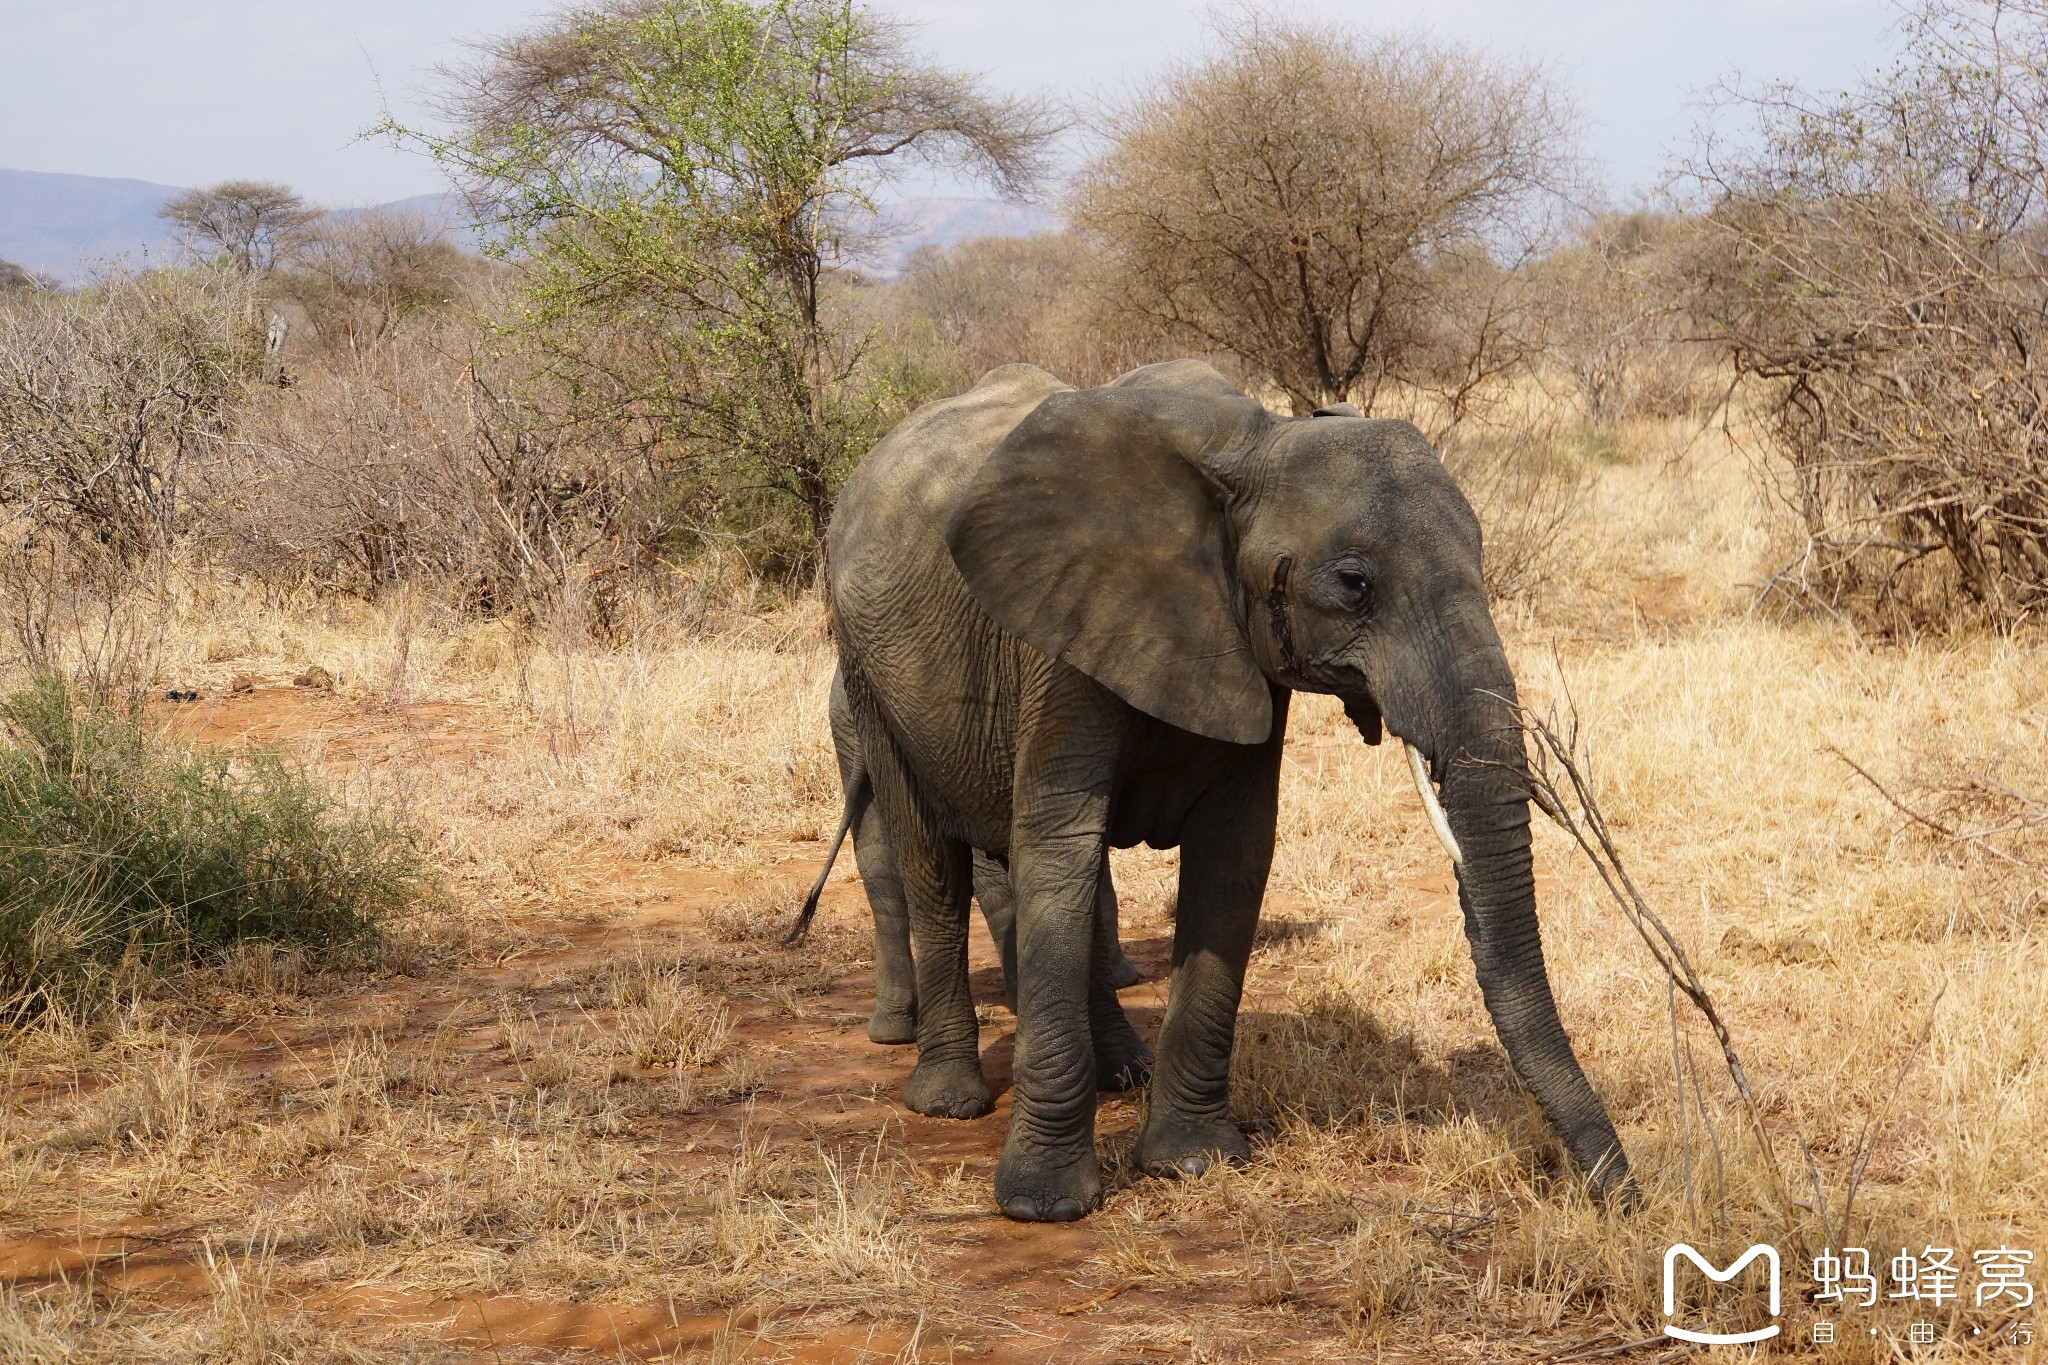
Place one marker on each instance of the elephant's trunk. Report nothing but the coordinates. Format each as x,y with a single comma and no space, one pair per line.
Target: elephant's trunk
1481,768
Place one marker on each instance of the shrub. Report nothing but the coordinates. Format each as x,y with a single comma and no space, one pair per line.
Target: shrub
420,463
121,847
1875,266
1338,211
108,396
1615,323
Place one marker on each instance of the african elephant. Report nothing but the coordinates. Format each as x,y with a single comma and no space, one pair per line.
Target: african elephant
1073,619
895,1016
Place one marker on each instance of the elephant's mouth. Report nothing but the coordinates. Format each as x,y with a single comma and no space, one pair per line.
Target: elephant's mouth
1364,712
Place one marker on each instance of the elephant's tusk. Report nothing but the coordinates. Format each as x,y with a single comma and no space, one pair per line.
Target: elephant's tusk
1437,820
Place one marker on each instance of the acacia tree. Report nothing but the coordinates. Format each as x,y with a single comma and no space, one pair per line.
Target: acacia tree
676,178
251,220
1334,210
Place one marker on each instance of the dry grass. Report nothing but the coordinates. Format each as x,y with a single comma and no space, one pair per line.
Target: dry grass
600,1083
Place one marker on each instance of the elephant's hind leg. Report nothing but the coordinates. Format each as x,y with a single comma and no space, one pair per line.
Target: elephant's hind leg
1122,971
1122,1061
895,1016
937,880
999,910
1226,852
947,1081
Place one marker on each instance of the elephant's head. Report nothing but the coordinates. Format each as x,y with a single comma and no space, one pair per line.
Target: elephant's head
1171,539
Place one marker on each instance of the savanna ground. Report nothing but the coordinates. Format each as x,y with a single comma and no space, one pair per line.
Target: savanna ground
590,1104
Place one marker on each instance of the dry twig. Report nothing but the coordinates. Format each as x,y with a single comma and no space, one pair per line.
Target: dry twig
1557,756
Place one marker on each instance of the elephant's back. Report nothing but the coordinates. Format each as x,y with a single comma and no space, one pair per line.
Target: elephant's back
887,541
907,485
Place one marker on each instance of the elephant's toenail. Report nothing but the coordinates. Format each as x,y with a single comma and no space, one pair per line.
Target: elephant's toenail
1065,1211
1194,1165
1022,1209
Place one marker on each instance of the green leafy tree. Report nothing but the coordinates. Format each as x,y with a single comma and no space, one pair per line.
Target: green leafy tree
677,179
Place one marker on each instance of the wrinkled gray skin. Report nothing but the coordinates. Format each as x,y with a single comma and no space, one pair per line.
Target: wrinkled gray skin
895,1016
1072,619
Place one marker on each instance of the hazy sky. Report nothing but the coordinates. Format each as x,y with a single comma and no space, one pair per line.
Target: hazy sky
193,91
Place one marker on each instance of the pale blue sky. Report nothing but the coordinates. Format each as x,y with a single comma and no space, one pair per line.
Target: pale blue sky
193,91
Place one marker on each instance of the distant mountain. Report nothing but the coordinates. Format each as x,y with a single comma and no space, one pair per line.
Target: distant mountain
64,225
444,211
913,223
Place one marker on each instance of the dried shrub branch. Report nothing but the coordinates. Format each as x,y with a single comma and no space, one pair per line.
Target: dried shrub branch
1339,212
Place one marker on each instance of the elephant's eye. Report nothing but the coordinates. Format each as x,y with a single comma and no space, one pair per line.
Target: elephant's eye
1354,577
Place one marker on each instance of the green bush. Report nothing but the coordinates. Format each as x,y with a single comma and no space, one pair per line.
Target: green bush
120,847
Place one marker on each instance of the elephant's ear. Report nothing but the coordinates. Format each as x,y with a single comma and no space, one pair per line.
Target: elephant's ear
1094,533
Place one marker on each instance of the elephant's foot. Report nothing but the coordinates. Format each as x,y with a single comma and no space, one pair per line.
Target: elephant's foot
893,1024
1040,1184
1177,1145
1123,972
1122,1061
948,1089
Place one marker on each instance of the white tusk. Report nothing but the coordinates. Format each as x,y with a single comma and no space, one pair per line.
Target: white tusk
1430,805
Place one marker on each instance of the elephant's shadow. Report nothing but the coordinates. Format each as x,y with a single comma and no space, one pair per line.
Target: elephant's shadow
1332,1064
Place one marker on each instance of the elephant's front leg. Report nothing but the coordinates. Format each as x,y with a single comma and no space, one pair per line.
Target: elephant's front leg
1226,853
1048,1171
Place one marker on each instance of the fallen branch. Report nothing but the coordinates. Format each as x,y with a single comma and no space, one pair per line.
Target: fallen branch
1104,1297
1977,837
1605,1351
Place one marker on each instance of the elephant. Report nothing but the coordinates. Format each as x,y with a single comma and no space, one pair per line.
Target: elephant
1068,620
895,1016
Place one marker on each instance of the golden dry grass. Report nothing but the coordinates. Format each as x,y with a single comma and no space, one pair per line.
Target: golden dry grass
600,1086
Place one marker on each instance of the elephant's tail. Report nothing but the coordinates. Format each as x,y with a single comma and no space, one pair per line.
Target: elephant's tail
858,794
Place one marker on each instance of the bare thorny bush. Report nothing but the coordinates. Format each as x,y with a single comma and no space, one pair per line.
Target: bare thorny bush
1878,266
421,461
108,400
1617,328
111,400
960,311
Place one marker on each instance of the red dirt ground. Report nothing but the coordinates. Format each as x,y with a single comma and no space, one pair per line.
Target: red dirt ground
1031,1285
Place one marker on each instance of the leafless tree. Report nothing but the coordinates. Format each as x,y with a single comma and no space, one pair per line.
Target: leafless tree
962,310
360,275
1335,209
1617,325
420,462
251,220
1877,263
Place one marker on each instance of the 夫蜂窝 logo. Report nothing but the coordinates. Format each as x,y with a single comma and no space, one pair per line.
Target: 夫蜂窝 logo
1770,1255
